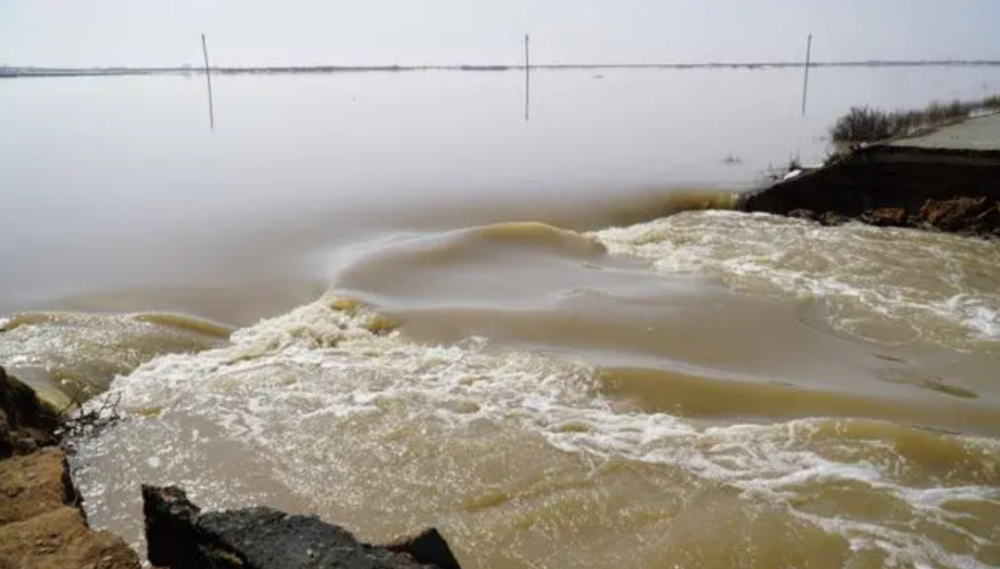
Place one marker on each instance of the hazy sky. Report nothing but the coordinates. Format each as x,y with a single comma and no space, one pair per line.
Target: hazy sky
249,32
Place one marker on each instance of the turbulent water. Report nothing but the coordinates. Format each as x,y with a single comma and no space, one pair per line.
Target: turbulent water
711,389
595,379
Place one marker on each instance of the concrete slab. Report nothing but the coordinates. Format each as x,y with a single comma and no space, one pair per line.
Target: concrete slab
978,134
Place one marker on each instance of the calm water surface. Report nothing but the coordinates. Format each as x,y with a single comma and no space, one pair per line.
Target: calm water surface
390,300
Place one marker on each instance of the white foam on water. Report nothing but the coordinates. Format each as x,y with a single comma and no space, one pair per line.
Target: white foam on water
286,383
85,351
940,288
902,549
984,320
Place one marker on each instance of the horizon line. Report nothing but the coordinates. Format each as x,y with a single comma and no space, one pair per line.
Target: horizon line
15,70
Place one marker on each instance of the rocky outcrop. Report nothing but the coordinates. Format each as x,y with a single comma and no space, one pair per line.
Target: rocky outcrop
942,189
978,214
60,539
886,217
179,536
42,525
428,547
25,423
34,484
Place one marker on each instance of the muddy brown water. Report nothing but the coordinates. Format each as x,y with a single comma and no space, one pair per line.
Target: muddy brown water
389,301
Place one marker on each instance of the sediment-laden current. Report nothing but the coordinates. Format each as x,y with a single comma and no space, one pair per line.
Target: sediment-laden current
506,330
711,389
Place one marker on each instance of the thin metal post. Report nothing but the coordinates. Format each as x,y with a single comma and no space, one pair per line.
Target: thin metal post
805,85
208,79
527,78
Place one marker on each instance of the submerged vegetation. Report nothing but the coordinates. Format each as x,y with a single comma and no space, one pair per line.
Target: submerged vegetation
865,124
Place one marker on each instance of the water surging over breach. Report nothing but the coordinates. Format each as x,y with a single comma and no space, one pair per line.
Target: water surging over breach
522,461
892,286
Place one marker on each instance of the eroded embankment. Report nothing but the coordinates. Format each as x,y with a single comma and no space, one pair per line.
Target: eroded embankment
42,522
947,189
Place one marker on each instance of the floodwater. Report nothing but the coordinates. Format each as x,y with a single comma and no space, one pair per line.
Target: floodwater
391,301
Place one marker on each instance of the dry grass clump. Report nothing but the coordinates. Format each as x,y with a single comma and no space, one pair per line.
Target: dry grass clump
865,124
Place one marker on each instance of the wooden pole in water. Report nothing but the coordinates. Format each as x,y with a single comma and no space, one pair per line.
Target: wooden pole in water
805,85
208,79
527,51
527,78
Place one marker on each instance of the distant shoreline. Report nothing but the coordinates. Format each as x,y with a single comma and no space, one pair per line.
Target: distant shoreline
21,72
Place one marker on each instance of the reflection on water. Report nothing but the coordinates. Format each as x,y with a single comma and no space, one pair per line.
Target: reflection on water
307,163
518,337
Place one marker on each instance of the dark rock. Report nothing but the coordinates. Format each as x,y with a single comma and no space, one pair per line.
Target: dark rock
25,423
428,548
990,217
170,526
803,214
832,219
180,536
886,217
